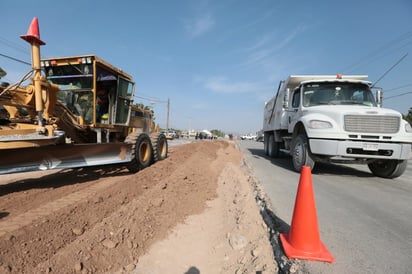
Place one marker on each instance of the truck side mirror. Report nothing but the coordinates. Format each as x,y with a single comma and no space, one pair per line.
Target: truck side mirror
379,95
286,98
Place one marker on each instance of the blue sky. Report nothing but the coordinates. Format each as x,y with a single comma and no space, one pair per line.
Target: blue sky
219,61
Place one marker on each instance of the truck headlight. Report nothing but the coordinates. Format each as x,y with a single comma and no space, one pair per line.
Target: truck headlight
317,124
408,127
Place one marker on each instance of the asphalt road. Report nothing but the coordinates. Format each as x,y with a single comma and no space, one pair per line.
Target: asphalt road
364,221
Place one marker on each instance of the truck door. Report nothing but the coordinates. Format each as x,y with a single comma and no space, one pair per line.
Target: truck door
293,110
124,99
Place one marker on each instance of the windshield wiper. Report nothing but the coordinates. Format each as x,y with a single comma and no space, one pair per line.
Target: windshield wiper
76,68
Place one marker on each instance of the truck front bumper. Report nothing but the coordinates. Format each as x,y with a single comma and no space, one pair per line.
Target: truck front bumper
357,149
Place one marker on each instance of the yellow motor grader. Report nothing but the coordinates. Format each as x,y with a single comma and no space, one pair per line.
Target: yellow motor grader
78,111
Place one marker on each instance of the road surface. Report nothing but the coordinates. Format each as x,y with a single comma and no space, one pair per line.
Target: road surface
364,221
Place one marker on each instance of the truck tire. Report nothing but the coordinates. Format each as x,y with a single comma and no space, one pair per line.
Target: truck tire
142,151
301,155
273,147
265,144
388,168
160,146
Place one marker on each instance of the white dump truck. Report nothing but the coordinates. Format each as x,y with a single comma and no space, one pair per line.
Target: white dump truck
336,118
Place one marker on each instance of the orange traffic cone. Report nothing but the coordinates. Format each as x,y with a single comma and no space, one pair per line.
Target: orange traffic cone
303,240
33,33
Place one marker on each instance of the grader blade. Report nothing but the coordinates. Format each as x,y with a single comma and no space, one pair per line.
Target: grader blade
63,156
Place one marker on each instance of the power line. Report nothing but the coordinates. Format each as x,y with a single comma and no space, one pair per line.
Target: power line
152,99
399,95
400,87
15,59
382,51
386,72
13,45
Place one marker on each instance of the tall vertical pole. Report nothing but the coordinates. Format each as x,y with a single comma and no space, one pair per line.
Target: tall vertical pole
33,37
168,114
35,52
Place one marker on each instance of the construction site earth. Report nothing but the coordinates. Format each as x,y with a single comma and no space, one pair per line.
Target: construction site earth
198,211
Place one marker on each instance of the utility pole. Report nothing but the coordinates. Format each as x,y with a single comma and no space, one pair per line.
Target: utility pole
168,113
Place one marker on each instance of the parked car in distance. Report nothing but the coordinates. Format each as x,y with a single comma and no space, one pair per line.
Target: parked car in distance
248,137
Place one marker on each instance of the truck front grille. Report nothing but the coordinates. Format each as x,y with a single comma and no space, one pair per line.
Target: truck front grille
372,123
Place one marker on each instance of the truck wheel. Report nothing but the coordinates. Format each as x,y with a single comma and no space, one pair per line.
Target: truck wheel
160,147
300,152
265,144
388,168
142,151
273,147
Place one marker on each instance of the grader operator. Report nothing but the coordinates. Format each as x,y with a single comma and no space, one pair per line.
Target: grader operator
78,111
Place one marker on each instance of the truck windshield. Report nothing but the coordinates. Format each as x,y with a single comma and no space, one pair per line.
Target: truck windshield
337,93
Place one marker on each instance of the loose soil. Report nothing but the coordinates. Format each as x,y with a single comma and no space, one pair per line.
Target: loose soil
194,212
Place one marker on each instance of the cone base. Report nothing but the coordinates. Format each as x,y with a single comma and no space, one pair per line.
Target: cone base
31,38
322,255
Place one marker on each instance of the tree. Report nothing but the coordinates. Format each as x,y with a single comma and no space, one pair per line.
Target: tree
217,132
408,117
145,108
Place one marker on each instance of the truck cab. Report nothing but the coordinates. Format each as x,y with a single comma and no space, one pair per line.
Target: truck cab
336,119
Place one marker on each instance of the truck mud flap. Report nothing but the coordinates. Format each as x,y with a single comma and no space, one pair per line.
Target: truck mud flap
62,156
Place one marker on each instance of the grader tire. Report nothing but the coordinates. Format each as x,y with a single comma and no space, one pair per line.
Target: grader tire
160,146
142,151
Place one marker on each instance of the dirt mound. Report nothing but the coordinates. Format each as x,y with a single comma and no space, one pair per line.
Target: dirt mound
104,220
